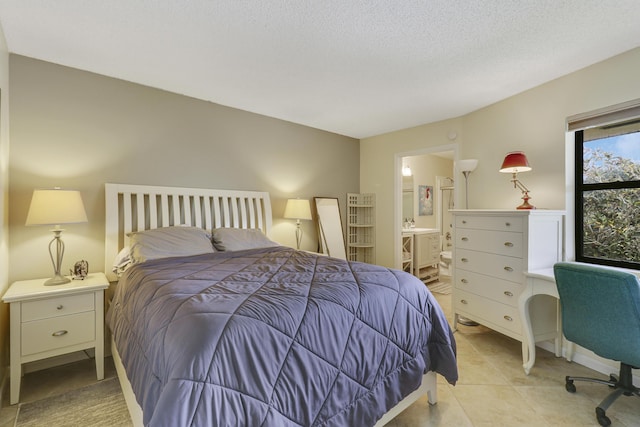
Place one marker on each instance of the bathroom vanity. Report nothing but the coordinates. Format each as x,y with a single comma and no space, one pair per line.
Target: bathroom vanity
425,252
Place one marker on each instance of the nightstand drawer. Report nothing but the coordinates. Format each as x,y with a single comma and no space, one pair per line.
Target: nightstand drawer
59,306
58,332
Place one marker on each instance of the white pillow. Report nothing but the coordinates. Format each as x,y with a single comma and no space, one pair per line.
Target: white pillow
169,242
236,239
123,261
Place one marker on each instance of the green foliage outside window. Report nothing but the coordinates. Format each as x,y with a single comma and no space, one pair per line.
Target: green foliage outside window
611,216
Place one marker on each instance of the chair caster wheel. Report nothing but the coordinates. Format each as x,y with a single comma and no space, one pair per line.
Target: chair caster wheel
603,420
570,386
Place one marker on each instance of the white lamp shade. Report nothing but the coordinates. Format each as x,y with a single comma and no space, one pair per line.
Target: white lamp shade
468,165
297,209
55,206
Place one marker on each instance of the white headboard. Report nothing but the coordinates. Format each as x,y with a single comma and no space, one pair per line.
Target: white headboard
142,207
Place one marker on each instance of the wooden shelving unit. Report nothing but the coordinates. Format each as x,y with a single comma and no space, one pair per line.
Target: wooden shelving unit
361,227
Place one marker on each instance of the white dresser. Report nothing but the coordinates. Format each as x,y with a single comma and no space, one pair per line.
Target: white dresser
492,250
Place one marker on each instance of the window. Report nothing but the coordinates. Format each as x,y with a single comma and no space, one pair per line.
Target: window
607,194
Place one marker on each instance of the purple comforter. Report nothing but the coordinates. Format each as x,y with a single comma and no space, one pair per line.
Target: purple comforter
275,337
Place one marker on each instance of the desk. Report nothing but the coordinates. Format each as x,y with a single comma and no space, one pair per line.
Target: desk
539,282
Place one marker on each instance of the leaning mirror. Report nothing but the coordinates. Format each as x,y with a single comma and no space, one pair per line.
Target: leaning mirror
330,227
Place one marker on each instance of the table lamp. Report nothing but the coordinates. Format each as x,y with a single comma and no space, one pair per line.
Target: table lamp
514,162
298,209
56,207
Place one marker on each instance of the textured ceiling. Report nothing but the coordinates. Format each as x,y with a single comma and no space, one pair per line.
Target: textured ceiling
357,68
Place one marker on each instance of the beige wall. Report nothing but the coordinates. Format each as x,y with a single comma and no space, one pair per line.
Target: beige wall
533,121
4,205
76,129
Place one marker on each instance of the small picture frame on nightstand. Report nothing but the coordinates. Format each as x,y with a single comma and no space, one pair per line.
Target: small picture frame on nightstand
80,270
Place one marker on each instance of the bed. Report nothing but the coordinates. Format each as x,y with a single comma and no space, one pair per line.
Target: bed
253,333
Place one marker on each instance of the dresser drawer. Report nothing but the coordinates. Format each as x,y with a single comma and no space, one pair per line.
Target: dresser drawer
498,223
497,242
499,290
57,332
499,266
58,306
492,312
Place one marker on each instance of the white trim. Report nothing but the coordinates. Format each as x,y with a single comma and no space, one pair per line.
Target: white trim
588,360
603,116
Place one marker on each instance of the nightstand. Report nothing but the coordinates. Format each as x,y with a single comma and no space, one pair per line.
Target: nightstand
48,321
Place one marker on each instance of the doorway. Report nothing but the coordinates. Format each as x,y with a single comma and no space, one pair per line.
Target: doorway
418,193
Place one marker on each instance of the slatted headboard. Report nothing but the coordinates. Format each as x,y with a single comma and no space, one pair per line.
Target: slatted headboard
142,207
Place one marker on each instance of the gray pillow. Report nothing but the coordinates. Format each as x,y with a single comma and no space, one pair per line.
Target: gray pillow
169,242
236,239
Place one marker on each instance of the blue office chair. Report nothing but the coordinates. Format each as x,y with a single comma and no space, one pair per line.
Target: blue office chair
601,312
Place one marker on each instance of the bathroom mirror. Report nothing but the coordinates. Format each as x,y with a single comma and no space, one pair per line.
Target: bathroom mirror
407,197
329,227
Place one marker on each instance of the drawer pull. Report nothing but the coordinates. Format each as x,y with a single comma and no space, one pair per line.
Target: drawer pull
59,333
464,301
464,260
508,318
60,307
464,222
509,294
508,244
464,281
507,268
465,239
507,224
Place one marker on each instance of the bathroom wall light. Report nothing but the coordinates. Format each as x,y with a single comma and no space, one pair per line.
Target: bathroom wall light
514,162
406,171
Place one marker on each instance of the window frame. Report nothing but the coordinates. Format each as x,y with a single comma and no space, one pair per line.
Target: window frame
579,189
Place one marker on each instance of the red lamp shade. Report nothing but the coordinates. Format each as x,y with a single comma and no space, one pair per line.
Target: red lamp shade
515,162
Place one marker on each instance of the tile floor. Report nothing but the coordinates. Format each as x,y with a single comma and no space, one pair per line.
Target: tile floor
492,390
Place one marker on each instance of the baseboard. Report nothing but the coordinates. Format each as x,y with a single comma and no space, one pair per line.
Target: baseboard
3,385
591,361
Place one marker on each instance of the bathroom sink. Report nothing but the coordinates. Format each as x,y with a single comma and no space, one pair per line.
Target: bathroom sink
418,230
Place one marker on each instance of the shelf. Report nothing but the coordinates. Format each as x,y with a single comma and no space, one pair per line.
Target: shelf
361,227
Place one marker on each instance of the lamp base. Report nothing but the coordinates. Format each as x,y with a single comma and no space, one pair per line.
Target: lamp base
57,280
525,204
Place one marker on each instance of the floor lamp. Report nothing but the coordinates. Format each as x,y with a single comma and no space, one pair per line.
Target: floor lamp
466,167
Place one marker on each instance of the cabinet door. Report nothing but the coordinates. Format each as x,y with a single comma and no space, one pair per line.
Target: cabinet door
427,252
